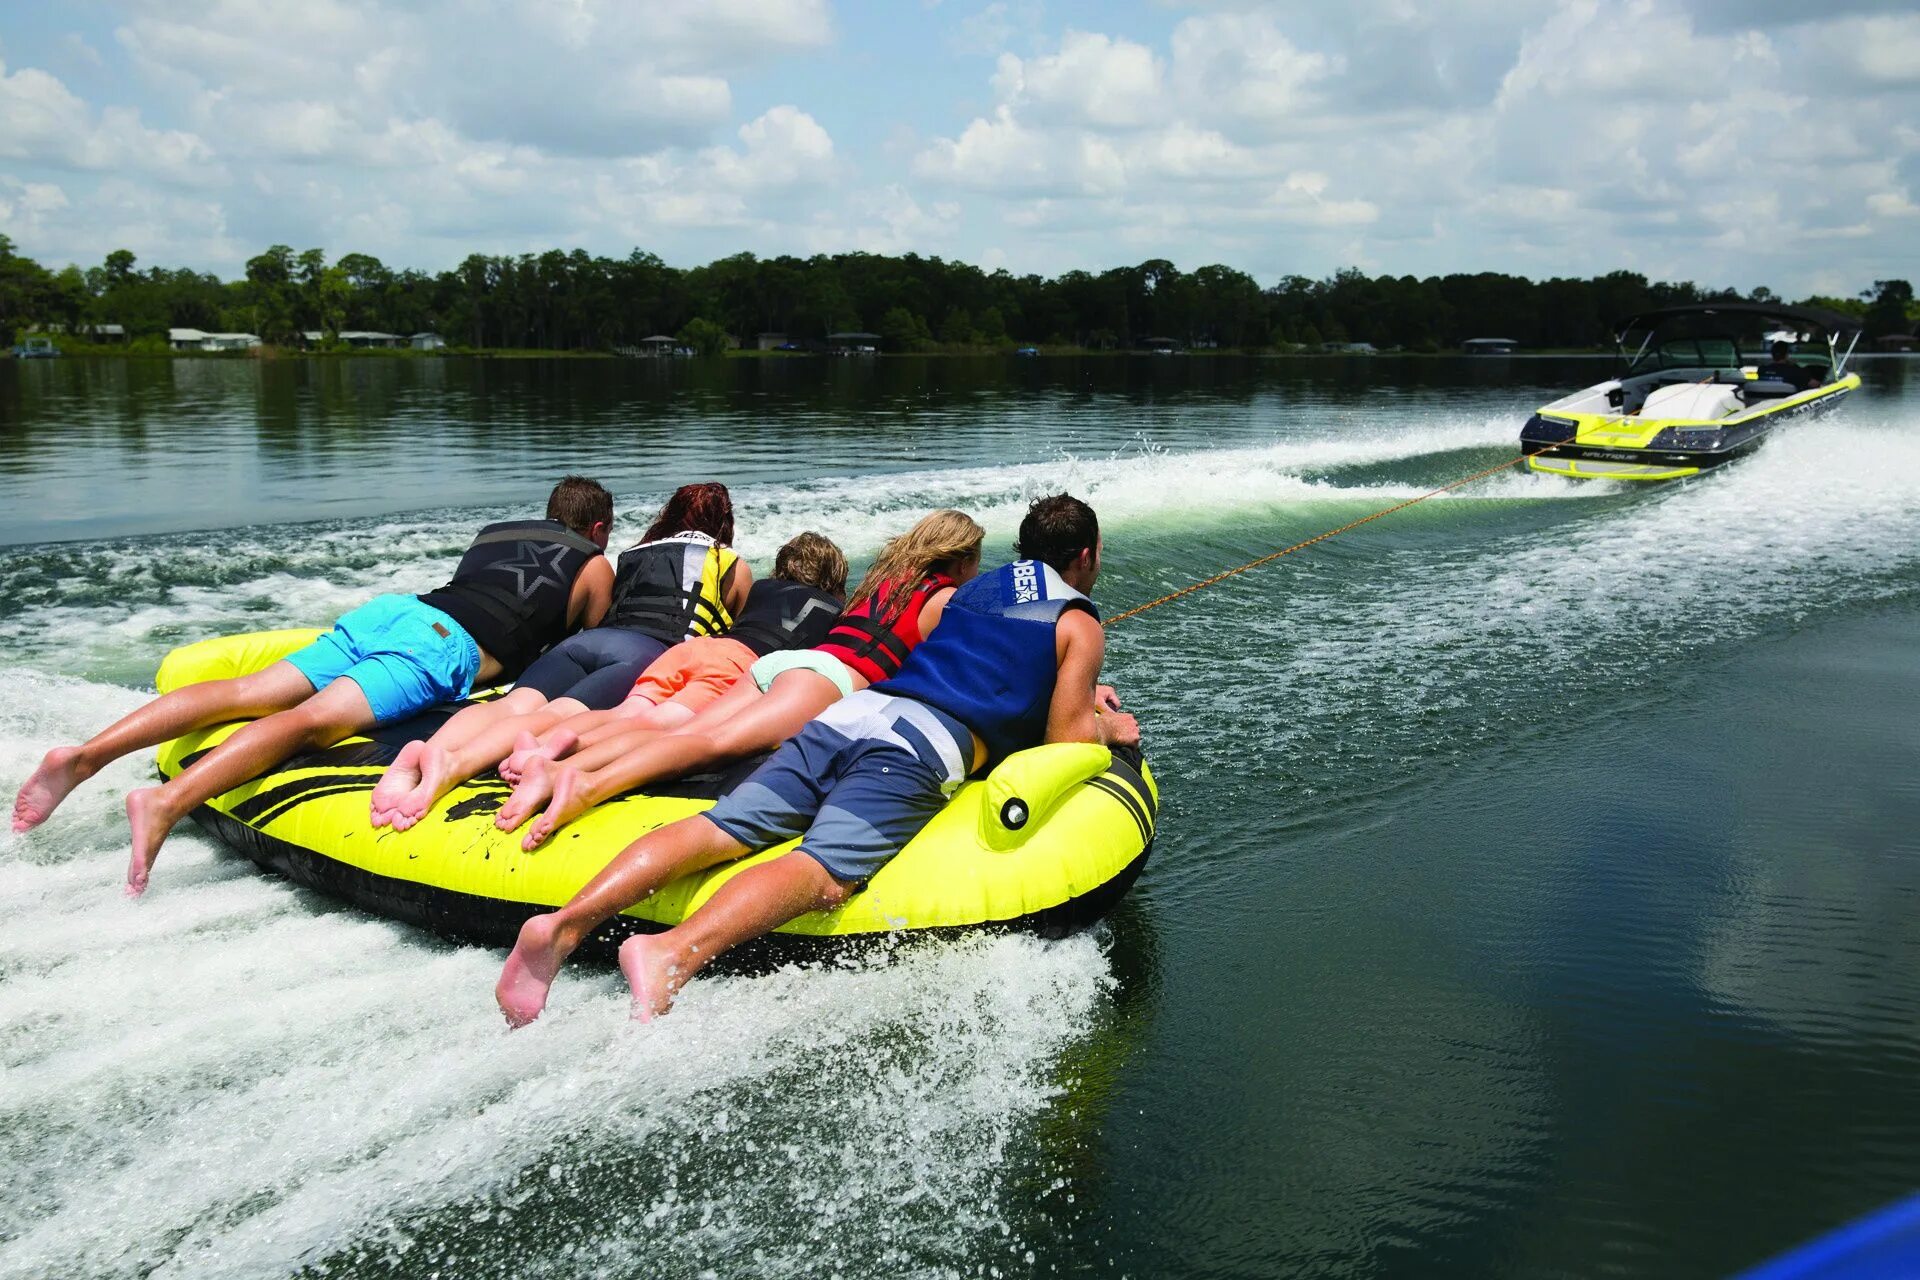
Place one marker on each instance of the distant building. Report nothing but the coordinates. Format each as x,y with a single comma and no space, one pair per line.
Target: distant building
1350,348
770,342
357,338
201,340
372,338
1160,346
428,342
1490,346
660,344
1898,342
853,343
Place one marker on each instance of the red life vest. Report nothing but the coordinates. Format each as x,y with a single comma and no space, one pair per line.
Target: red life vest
877,646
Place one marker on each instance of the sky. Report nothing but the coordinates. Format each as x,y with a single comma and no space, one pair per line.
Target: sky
1729,142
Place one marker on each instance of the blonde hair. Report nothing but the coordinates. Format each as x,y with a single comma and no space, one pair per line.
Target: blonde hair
812,560
906,560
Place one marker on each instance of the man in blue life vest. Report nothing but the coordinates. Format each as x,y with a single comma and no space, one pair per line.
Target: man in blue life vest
1013,664
521,586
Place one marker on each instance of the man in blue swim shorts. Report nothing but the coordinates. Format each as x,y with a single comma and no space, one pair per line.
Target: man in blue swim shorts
1012,665
521,586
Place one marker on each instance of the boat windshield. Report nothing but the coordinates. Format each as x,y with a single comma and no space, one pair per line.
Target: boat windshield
1717,340
1688,353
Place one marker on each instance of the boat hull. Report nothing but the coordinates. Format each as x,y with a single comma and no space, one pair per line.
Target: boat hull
1598,447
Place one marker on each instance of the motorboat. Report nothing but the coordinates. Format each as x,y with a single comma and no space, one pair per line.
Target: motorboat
1700,389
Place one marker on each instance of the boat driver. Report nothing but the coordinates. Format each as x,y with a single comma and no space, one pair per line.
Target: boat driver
1782,369
1012,665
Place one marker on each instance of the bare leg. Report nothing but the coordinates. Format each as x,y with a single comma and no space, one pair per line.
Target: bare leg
757,901
796,697
638,870
167,717
443,765
328,716
588,726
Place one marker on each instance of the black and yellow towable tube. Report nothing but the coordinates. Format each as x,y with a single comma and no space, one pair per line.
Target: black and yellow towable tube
1048,842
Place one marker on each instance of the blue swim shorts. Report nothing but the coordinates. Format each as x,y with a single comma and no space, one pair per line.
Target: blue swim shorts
858,782
404,654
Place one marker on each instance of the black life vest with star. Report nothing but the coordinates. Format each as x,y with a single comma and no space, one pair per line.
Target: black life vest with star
511,590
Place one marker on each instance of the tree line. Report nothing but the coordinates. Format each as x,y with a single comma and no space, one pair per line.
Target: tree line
575,301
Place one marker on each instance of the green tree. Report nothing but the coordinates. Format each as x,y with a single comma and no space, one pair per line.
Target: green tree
1891,301
270,294
901,330
706,337
956,330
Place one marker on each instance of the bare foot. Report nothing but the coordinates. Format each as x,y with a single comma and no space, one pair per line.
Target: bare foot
534,790
571,798
402,776
147,815
58,774
655,978
435,766
530,970
527,748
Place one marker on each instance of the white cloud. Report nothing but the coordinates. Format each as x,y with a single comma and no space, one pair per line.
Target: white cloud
1892,204
42,121
1241,70
1707,139
1094,80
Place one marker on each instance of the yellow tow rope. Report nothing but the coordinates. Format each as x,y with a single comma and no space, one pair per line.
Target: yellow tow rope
1331,533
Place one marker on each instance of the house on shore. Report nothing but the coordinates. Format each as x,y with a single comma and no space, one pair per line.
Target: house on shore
1489,346
853,343
427,342
201,340
359,339
1350,348
1897,343
1160,346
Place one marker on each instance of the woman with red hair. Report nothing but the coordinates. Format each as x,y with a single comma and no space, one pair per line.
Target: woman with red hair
681,580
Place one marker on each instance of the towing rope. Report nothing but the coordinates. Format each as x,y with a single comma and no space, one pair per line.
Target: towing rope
1331,533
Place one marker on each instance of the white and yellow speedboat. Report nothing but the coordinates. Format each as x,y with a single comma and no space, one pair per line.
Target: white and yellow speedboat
1699,391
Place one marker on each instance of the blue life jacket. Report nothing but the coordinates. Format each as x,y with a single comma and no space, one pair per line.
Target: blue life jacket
991,664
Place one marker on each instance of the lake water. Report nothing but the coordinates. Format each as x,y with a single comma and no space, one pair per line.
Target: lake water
1536,889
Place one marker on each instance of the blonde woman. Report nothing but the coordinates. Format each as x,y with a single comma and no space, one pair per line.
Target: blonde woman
897,605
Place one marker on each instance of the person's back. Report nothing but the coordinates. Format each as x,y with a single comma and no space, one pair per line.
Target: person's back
513,589
673,588
783,614
992,665
1781,368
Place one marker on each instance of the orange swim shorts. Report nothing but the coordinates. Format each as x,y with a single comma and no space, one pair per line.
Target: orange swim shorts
693,672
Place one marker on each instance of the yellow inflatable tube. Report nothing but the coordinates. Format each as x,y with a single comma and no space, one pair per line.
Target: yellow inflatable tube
1048,842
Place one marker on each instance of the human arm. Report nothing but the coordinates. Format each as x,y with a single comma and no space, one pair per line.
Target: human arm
592,595
733,590
1080,644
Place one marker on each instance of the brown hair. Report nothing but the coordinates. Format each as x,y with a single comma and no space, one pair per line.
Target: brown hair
813,561
944,537
580,504
700,508
1056,530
